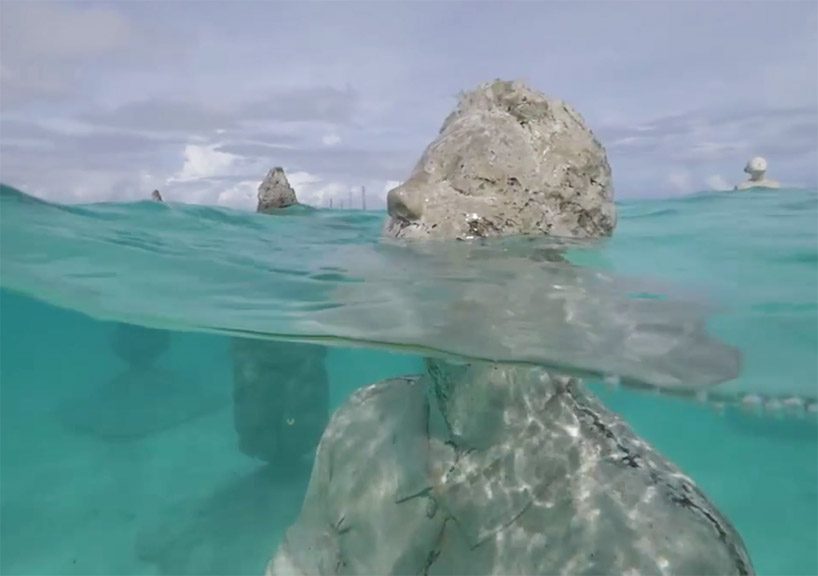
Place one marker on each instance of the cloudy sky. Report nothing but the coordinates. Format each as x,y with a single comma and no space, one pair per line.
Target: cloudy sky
105,101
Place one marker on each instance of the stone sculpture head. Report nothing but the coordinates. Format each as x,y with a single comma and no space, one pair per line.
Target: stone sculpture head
507,161
756,168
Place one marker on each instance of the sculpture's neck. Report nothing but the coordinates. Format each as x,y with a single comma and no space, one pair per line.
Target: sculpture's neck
485,403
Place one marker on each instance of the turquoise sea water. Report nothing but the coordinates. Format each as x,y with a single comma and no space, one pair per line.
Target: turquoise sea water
114,464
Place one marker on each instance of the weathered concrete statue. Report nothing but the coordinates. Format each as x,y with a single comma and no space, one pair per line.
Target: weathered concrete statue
275,191
488,468
757,170
280,389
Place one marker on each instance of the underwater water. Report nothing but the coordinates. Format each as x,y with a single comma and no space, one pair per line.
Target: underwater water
131,337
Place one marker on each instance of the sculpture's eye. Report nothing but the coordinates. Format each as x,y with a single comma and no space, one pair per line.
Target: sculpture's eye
290,421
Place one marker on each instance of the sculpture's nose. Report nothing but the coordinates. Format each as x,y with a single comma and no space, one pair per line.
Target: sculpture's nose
404,203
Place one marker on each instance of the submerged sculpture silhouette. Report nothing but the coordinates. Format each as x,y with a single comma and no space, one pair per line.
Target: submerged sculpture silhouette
280,389
144,398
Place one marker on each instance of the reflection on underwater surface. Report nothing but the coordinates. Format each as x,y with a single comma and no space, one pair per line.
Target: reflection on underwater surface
638,306
128,459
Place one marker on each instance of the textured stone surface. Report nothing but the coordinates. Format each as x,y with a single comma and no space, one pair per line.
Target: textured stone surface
507,161
539,478
280,400
275,192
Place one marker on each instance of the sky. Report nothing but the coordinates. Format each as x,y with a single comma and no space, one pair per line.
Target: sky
107,101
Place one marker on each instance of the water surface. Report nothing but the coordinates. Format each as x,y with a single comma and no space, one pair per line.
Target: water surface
110,470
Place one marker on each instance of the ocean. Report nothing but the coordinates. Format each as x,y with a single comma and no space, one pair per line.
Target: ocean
697,322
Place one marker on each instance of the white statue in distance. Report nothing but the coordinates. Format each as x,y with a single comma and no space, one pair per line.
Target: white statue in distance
757,169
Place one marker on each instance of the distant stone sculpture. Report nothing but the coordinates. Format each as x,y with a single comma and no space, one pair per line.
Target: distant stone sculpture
493,469
280,389
508,160
275,192
757,170
156,196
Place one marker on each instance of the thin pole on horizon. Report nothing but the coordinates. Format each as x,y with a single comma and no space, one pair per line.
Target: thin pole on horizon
330,203
350,198
363,198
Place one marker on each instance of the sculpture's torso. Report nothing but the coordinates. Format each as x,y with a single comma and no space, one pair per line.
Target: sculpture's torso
763,183
565,488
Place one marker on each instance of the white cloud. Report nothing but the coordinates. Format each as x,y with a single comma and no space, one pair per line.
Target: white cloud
62,31
203,162
302,180
331,139
340,194
680,180
716,182
44,43
242,195
313,190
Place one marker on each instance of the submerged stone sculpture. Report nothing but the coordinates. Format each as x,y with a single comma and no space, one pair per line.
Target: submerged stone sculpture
508,160
280,400
489,470
275,191
139,346
225,532
757,170
145,397
493,469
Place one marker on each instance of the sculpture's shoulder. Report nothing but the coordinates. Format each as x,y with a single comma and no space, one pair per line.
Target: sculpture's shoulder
766,183
584,480
626,508
365,511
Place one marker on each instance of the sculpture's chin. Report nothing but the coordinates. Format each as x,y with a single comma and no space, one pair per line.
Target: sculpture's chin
399,228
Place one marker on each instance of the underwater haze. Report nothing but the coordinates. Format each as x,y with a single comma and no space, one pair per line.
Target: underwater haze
119,325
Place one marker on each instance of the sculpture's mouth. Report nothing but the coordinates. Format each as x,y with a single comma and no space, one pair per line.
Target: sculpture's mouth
397,225
402,205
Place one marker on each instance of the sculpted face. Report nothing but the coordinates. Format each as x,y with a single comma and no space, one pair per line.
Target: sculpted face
507,161
756,167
